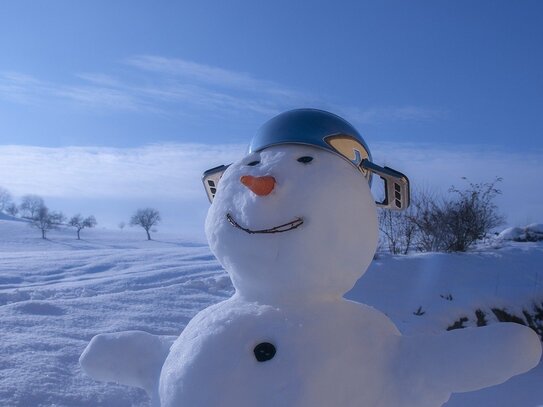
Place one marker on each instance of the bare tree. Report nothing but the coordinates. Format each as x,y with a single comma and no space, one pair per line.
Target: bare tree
472,214
398,230
122,225
428,217
31,205
12,209
455,224
45,220
436,223
5,199
146,218
80,223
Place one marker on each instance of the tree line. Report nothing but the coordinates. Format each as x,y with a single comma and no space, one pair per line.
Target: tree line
452,223
33,209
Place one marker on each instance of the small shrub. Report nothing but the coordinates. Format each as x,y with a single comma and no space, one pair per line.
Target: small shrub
419,312
533,318
481,318
471,215
458,324
448,224
504,316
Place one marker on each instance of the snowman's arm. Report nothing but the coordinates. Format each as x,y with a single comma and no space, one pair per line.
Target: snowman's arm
473,358
134,358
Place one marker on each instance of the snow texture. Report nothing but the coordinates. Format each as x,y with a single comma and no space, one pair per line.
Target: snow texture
532,232
289,293
56,294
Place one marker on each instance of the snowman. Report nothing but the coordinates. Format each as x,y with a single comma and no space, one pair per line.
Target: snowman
295,226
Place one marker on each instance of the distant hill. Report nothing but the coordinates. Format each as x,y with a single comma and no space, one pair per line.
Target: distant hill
5,216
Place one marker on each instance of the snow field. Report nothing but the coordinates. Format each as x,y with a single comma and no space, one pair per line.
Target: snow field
55,295
446,287
54,299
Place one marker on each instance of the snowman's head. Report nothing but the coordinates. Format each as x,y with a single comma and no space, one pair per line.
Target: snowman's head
295,217
292,220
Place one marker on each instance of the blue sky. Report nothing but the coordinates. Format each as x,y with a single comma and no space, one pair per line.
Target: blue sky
98,72
441,76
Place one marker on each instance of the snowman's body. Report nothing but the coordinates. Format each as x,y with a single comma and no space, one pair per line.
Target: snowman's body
332,354
295,227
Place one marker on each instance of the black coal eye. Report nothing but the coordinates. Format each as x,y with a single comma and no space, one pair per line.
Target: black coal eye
253,163
305,159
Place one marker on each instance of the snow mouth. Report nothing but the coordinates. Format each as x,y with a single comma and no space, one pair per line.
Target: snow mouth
276,229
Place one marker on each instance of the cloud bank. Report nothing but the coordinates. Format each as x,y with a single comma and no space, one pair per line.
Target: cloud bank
164,171
170,175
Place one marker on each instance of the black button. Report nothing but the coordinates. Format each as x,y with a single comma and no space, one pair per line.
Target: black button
264,351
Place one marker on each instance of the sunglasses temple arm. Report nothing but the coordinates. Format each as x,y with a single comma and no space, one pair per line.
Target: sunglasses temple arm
211,179
397,193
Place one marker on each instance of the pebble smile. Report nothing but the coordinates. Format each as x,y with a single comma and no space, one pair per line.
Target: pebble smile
276,229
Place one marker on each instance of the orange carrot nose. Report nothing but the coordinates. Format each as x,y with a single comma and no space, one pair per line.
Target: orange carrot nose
259,185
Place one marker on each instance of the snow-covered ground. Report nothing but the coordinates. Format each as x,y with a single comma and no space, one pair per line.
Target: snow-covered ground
56,294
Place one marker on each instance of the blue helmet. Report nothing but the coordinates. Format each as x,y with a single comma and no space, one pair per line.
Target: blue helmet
316,128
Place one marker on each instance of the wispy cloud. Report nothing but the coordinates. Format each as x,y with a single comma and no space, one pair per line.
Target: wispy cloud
213,88
21,88
27,89
155,84
198,72
100,79
377,115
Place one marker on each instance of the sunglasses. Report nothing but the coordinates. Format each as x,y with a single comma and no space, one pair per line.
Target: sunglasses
396,184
